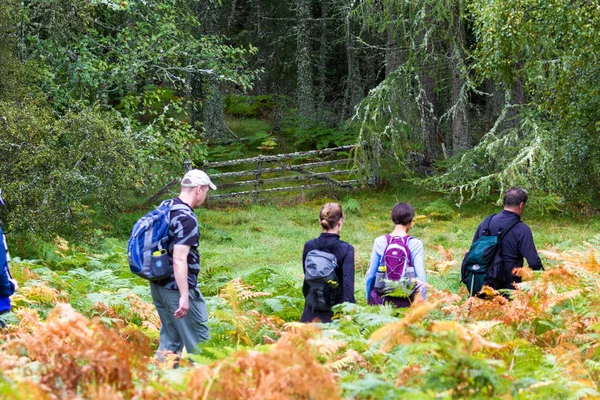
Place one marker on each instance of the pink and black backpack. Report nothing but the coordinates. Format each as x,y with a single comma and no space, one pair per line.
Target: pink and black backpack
398,267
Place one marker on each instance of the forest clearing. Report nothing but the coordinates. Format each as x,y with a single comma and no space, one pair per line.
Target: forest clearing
289,105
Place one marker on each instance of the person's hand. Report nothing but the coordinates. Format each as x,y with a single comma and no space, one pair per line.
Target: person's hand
14,282
184,306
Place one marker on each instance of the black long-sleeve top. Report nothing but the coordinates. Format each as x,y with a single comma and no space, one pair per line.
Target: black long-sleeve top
516,245
344,253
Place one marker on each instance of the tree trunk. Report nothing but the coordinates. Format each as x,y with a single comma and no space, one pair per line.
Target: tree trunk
392,50
323,51
353,92
207,99
501,96
196,102
517,99
460,132
305,96
428,105
494,101
214,115
428,101
256,18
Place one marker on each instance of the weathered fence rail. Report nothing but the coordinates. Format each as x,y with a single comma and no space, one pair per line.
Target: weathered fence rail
272,170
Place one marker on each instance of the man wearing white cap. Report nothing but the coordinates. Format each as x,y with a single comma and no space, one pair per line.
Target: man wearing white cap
178,300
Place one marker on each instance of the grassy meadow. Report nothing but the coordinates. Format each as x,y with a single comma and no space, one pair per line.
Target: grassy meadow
543,344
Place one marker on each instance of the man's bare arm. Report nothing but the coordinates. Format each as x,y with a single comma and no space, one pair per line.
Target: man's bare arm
180,268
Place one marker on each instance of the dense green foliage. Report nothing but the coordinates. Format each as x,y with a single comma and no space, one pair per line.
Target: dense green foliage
514,80
55,167
477,95
550,48
95,101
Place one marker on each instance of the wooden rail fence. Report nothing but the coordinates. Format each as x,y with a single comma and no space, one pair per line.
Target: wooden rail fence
273,170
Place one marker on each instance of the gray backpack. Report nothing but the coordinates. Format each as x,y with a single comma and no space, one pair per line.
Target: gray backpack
321,279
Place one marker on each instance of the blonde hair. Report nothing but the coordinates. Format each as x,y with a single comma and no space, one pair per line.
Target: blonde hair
330,215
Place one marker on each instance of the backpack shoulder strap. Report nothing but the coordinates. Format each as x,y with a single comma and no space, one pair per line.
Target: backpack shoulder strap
408,252
486,230
388,240
316,244
505,231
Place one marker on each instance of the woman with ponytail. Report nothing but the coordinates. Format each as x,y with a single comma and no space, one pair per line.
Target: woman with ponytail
331,219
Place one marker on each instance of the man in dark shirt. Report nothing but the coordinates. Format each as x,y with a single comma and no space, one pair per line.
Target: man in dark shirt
516,244
178,300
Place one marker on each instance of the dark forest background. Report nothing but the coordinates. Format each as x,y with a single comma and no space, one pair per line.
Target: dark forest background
99,97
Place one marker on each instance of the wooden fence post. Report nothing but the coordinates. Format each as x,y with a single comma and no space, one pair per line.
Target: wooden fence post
257,177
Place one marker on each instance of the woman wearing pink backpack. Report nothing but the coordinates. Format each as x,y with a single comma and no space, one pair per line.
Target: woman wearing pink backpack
397,269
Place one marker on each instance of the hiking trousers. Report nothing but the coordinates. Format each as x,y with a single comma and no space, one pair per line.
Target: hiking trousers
175,333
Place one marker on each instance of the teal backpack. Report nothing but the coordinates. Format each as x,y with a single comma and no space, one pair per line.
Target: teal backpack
479,260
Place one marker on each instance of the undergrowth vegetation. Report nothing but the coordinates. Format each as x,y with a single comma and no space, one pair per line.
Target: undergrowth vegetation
84,327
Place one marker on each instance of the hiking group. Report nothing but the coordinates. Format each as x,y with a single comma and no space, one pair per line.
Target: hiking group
396,273
163,248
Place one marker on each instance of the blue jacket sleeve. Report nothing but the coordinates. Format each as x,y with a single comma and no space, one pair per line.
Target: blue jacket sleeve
418,259
6,286
373,264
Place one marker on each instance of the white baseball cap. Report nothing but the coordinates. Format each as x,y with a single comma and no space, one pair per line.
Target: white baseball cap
195,177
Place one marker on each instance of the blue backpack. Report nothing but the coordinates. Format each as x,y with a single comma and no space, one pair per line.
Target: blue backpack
147,246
